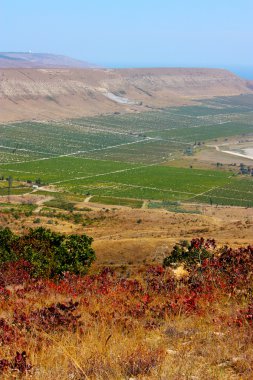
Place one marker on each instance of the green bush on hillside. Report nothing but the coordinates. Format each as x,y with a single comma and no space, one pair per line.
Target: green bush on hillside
49,253
190,253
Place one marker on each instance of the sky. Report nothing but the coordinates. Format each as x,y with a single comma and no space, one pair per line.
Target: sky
133,33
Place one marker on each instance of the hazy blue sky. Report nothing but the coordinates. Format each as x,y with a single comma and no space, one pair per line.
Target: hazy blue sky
132,32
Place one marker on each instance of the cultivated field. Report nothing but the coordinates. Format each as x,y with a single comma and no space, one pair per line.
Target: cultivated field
133,156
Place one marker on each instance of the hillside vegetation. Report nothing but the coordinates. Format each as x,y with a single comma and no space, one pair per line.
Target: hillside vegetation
152,323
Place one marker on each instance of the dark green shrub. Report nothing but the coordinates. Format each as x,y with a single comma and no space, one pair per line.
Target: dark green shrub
16,215
49,253
190,254
6,239
77,218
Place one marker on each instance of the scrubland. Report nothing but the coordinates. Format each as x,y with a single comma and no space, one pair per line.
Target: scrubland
150,322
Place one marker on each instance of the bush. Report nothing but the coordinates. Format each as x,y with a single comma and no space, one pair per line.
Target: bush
190,254
49,253
6,240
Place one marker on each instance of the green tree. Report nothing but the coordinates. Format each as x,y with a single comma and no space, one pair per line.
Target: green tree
50,253
190,253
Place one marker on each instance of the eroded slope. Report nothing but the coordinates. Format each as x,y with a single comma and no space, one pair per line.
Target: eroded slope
64,93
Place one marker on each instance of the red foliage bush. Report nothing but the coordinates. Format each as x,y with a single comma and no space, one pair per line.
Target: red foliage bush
58,316
14,273
17,364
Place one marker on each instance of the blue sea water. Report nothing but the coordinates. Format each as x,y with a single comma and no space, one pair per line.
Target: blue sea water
243,72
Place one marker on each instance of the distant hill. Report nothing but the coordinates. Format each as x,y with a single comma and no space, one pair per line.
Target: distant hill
53,92
39,60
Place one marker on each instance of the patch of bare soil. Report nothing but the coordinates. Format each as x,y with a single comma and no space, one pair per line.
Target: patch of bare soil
212,154
29,198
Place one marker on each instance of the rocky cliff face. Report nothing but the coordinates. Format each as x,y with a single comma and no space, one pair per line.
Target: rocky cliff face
46,93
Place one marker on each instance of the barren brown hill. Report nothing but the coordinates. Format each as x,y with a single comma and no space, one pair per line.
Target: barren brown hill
65,93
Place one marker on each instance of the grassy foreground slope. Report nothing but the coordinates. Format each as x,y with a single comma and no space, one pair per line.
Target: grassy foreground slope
149,323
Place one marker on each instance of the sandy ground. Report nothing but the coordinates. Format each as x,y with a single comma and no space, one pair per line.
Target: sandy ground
217,152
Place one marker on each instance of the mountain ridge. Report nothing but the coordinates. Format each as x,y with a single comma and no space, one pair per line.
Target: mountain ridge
29,60
60,93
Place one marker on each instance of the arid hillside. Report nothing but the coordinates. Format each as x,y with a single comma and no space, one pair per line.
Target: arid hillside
49,93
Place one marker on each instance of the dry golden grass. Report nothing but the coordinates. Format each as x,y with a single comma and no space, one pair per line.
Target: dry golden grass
184,348
202,345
